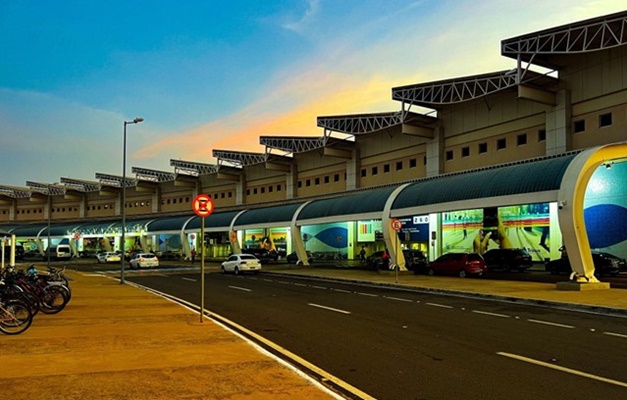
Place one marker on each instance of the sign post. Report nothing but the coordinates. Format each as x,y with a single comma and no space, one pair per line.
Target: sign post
203,207
396,225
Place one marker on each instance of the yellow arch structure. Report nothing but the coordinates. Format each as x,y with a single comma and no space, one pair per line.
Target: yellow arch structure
571,201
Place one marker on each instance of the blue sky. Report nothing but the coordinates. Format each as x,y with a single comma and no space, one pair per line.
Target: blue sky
211,74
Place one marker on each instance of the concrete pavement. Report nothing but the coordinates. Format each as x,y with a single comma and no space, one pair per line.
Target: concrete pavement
120,342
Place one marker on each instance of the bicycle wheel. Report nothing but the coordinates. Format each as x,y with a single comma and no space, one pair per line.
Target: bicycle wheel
52,300
15,317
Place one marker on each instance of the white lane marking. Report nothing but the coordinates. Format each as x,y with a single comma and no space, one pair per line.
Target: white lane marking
299,284
490,313
284,282
267,280
368,294
563,369
342,290
189,279
615,334
318,287
537,321
240,288
399,299
438,305
329,308
162,275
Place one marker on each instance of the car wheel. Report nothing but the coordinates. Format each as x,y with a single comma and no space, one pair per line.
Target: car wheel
236,271
430,271
222,269
462,273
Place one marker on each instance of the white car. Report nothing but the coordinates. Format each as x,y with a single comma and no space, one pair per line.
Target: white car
108,257
237,263
144,260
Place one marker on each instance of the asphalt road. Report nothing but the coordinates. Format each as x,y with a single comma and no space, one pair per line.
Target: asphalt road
396,344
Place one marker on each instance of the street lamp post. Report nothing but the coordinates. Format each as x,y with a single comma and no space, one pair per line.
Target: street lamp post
123,205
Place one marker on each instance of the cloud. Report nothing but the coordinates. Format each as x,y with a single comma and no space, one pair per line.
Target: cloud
304,22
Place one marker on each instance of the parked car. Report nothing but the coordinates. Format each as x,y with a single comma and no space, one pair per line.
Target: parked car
237,263
604,264
416,260
375,260
263,255
59,252
508,259
108,257
460,264
292,258
144,260
19,251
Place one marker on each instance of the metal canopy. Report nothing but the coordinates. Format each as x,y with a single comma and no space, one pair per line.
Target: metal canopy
293,144
457,90
14,192
152,175
595,34
80,185
46,188
368,123
345,208
193,168
113,180
240,159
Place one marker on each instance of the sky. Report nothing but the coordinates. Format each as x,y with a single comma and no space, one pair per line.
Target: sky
216,75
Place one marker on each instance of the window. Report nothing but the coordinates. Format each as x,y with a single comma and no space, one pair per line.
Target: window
317,181
308,182
521,139
300,184
465,151
363,172
263,190
255,191
501,144
278,188
230,194
483,148
399,165
424,160
270,189
413,163
248,191
579,126
375,170
449,155
326,179
541,135
605,120
386,168
336,178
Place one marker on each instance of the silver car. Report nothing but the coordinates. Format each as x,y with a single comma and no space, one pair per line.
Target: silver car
144,260
237,263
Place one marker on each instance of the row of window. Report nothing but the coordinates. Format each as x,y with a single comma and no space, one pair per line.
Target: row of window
398,166
604,120
501,144
261,190
316,181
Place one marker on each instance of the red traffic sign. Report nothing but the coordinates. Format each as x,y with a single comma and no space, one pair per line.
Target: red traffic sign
397,224
202,205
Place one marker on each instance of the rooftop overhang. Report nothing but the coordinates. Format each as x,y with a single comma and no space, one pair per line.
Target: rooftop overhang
14,192
193,169
360,124
40,192
239,158
293,144
152,175
550,48
528,84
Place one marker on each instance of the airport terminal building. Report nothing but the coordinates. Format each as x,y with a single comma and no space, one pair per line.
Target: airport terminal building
535,154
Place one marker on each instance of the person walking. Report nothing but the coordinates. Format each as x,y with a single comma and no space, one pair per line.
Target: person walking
362,255
193,254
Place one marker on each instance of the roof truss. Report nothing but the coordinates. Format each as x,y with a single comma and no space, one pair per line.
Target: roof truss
15,192
80,185
590,35
361,123
193,168
293,144
113,180
240,159
151,175
46,188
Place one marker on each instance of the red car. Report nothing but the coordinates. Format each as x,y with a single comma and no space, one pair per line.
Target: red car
460,264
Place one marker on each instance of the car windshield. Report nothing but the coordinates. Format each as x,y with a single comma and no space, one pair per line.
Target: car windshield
247,257
474,257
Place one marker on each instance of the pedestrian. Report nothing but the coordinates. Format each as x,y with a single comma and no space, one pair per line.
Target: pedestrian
193,254
385,258
362,255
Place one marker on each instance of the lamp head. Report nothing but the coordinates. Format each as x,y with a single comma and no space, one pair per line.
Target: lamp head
138,120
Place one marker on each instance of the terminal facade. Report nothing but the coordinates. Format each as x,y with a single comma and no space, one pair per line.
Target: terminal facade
539,155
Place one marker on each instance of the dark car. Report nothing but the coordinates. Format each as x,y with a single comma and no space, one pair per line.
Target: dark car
508,259
416,260
460,264
19,251
604,264
292,258
375,260
263,255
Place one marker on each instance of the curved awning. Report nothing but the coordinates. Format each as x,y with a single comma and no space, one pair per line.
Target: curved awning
29,231
168,224
365,205
268,217
522,183
216,222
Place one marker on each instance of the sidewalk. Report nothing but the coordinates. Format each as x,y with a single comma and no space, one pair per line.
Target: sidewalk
115,341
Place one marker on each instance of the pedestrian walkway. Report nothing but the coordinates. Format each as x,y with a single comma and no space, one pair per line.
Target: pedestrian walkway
116,341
